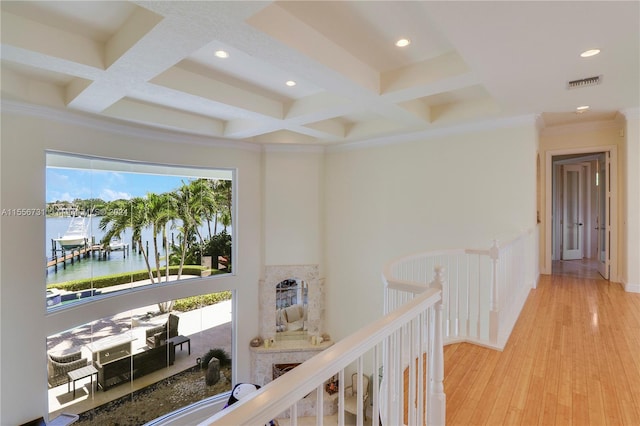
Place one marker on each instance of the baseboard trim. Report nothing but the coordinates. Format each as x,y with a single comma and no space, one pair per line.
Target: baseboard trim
631,288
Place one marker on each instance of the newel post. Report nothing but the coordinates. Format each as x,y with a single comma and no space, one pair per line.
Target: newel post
494,312
436,409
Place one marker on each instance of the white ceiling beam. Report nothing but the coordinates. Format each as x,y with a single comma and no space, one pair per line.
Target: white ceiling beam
247,128
41,61
320,103
328,127
159,116
135,28
179,79
155,51
307,52
293,32
424,73
418,91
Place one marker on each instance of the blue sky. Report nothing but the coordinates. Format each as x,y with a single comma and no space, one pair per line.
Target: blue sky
69,184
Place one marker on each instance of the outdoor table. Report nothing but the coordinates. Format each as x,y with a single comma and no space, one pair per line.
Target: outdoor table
81,373
179,340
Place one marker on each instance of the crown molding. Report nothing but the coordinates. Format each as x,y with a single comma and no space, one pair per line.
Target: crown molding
456,129
119,128
588,126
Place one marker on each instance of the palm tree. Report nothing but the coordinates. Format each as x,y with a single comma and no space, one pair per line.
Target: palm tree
159,211
184,205
203,203
222,189
123,214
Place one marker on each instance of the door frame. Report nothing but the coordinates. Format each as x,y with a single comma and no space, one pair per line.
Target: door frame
613,247
556,181
579,251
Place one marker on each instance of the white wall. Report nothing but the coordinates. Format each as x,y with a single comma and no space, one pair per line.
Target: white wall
293,197
348,210
25,324
459,191
631,274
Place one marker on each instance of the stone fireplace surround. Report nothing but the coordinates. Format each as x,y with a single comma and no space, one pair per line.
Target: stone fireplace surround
273,275
289,351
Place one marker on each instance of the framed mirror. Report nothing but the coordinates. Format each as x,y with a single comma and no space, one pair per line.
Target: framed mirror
291,309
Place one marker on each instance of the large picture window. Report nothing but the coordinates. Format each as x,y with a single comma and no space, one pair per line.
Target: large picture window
112,226
140,364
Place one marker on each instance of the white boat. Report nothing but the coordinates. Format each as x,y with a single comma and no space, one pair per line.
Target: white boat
54,297
76,235
116,244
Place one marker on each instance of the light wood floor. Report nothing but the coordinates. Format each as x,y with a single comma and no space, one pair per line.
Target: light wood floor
573,359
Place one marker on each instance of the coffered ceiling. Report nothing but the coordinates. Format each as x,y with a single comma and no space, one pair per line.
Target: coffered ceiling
154,64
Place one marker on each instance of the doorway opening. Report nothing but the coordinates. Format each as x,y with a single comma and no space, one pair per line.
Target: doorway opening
580,189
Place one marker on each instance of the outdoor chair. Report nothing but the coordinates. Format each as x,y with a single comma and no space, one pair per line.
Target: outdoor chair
59,365
351,395
157,336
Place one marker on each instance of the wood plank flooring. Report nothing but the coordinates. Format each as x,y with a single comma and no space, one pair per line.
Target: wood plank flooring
573,359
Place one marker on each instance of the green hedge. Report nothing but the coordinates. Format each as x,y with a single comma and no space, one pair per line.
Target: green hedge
196,302
126,278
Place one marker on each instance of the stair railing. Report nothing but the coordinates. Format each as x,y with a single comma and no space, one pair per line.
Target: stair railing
376,350
485,289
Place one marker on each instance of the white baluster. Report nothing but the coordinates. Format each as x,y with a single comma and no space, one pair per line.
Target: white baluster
436,411
494,314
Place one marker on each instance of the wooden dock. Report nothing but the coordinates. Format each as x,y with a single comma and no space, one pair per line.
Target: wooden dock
74,254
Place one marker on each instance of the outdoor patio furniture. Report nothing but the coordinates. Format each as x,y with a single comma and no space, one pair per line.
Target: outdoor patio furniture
157,336
60,364
136,365
181,340
81,373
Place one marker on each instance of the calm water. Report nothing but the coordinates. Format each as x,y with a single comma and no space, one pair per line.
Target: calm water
115,263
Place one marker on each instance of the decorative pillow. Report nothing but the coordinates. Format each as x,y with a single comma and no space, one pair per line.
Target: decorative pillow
293,313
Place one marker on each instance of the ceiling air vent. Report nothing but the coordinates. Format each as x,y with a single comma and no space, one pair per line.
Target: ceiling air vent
584,82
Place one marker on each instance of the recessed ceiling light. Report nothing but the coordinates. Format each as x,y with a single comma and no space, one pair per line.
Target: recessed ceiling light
290,83
403,42
591,52
222,54
582,109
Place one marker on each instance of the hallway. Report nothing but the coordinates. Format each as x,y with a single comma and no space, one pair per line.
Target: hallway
583,268
572,358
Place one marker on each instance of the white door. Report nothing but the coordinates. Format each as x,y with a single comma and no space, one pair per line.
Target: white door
603,220
573,215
